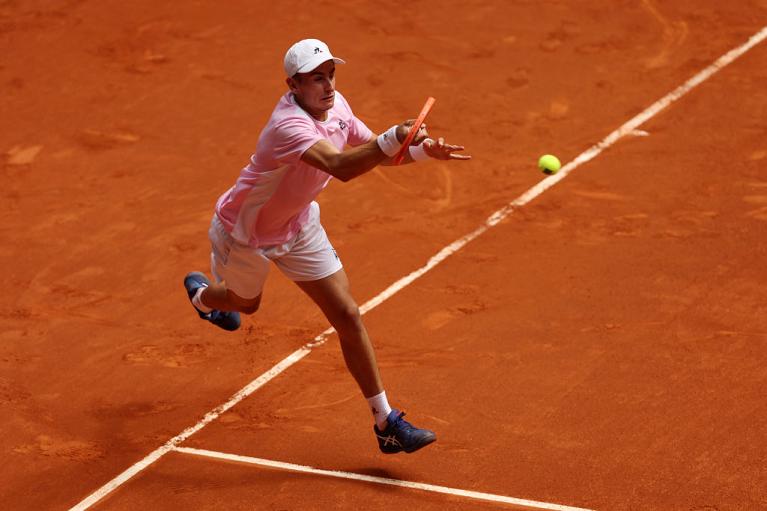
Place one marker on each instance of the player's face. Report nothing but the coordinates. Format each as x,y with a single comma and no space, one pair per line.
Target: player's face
316,90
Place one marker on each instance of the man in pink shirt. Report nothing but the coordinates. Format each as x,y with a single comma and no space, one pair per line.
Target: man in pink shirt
270,215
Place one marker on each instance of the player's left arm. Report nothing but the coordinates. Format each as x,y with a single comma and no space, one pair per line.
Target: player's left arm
436,149
422,147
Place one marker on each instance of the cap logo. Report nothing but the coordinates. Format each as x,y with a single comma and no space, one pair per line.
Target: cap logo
317,50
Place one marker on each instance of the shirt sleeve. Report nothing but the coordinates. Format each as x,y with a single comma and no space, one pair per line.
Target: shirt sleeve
292,138
359,133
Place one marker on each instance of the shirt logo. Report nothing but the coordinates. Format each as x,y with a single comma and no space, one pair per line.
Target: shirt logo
317,50
342,124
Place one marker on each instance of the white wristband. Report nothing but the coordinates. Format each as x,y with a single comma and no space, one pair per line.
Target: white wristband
418,153
388,142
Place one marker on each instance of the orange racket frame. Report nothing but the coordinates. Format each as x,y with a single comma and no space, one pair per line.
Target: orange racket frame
414,129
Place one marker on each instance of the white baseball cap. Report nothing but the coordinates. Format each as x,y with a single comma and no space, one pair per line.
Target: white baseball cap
306,55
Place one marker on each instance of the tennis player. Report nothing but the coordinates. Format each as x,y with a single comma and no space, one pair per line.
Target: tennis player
270,215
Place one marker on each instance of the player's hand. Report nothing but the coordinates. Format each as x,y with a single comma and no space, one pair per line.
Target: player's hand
404,128
439,150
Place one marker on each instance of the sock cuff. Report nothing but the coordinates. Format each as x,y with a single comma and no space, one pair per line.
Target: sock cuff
197,301
380,408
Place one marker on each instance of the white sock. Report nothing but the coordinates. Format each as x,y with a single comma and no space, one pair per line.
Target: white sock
379,405
197,301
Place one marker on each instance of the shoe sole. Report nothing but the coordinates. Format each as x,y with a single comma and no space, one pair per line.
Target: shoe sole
421,446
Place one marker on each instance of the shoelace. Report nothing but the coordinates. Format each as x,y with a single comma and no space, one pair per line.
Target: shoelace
400,423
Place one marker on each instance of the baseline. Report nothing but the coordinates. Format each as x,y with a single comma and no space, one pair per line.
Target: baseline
534,504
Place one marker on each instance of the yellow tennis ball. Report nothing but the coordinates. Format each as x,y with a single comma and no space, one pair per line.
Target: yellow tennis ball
549,164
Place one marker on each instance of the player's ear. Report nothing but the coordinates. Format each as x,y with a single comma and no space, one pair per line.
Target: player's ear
292,85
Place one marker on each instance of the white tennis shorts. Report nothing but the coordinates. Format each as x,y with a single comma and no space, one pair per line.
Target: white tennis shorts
308,256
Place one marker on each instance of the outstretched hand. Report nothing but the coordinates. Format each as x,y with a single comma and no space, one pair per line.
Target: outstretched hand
439,150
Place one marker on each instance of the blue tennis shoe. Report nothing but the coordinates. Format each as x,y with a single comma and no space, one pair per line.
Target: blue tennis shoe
222,319
400,435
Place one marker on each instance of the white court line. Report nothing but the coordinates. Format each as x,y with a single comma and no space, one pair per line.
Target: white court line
379,480
493,220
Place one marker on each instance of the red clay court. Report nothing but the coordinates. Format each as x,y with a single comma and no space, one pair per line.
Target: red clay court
600,344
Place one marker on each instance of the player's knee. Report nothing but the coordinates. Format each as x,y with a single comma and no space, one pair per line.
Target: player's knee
349,315
250,308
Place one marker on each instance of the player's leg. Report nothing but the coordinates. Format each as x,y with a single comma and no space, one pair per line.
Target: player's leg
243,268
333,297
218,296
312,263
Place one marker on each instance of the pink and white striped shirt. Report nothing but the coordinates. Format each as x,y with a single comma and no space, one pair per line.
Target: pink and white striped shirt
270,200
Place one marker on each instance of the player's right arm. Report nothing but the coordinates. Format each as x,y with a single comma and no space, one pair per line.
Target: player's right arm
353,162
348,164
344,165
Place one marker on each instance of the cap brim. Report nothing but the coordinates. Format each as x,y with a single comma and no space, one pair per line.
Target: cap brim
315,63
